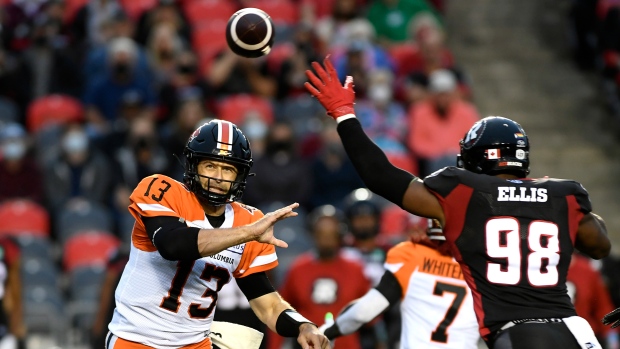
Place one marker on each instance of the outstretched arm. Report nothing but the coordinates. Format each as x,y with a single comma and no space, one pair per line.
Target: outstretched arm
380,176
366,308
176,241
592,237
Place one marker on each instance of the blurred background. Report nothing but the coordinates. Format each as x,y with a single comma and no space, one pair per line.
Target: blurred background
97,94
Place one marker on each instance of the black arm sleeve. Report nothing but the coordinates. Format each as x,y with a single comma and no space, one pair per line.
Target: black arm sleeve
379,175
173,239
390,287
255,285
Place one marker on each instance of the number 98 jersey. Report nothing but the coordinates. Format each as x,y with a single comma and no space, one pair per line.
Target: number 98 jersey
513,239
170,304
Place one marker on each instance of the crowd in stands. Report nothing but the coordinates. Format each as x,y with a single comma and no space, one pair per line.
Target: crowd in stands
97,94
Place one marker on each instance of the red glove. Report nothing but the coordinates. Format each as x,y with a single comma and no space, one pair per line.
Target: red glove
336,99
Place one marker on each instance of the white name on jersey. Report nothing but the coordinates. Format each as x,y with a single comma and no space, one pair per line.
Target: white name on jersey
521,194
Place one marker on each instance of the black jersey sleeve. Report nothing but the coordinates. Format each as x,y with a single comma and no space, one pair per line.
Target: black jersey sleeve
444,181
583,199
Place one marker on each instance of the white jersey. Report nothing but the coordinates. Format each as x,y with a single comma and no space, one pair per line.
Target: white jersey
170,304
437,308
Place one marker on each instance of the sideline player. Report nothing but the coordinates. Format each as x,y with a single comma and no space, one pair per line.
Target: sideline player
189,240
513,236
437,306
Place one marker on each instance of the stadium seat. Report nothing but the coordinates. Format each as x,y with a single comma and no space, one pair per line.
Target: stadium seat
303,112
38,247
279,53
44,312
53,109
282,12
394,222
199,12
135,8
80,214
39,272
23,217
208,40
88,248
235,108
85,283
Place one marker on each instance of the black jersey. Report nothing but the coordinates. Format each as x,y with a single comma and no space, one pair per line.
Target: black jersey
513,239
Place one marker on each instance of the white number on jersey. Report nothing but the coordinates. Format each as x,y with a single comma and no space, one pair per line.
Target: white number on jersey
503,241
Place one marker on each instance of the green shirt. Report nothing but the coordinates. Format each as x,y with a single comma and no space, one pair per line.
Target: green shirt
392,22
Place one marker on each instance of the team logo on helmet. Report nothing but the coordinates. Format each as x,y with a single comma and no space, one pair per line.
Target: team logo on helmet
194,134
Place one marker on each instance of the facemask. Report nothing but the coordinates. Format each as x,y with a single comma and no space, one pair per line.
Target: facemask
14,150
380,93
75,142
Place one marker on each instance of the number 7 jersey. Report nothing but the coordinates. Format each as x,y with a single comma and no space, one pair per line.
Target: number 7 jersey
513,239
170,304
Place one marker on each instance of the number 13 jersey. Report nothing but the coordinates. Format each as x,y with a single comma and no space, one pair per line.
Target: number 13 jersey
513,239
170,304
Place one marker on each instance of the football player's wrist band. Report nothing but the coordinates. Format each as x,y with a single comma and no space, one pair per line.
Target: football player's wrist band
344,117
288,323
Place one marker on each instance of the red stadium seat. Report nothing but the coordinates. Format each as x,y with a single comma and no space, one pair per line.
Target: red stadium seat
199,12
236,107
72,7
282,12
23,217
134,8
53,109
279,53
394,222
208,41
89,248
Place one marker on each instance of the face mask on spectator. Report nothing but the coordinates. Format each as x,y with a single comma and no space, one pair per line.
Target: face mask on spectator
381,94
186,69
255,128
14,150
121,69
75,142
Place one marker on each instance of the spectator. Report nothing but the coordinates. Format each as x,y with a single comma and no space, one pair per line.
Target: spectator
79,171
189,114
290,73
165,12
185,83
333,30
12,85
591,298
332,173
281,174
139,156
46,68
92,17
438,123
233,74
384,119
19,174
17,19
324,280
104,95
163,45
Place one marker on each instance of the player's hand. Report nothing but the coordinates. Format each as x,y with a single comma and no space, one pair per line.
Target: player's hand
329,322
613,318
310,337
337,99
262,229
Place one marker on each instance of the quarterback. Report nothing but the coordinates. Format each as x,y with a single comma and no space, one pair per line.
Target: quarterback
189,240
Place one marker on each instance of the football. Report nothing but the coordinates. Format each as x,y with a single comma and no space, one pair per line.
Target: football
250,32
